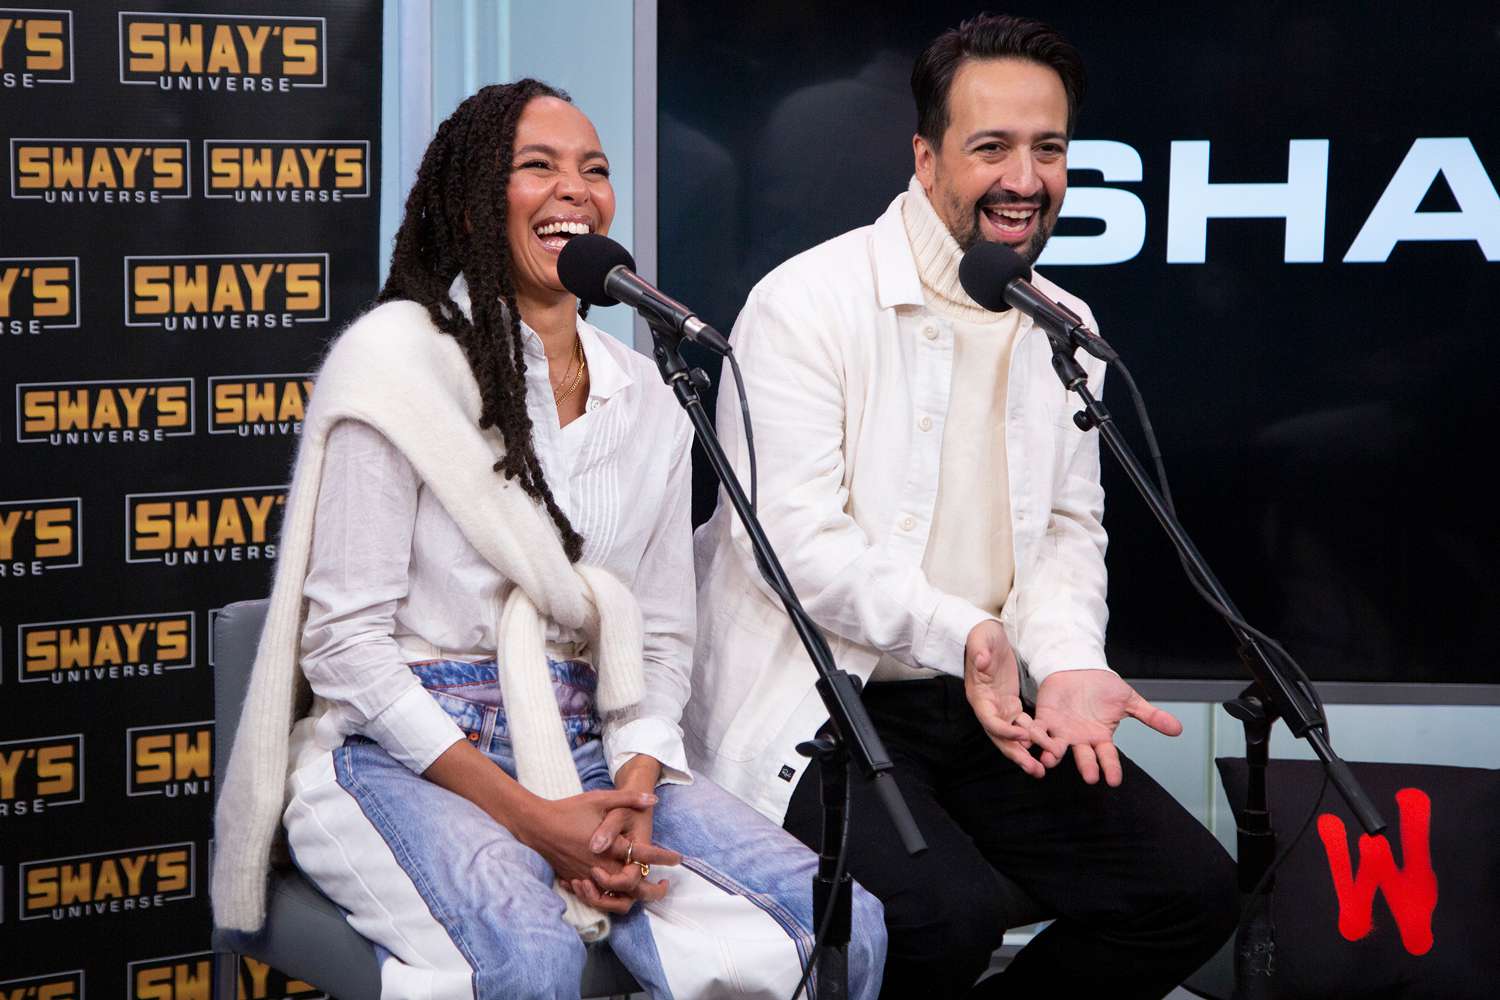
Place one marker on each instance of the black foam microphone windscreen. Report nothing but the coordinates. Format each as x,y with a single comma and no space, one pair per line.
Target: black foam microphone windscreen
985,272
584,264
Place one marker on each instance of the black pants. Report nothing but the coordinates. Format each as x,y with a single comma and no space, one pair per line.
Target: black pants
1141,892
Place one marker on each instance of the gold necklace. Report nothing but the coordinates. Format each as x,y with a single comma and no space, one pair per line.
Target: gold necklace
578,378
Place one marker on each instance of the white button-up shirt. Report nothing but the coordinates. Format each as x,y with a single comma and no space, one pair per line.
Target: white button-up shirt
393,580
843,365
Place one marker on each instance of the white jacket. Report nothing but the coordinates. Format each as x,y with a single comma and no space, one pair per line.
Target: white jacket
848,376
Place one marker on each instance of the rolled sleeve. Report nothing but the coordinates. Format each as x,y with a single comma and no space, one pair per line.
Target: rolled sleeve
666,591
654,737
414,729
357,574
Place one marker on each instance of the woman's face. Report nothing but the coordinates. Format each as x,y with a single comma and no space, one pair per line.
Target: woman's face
559,186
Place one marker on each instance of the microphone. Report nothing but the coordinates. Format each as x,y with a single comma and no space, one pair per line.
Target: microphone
601,272
997,278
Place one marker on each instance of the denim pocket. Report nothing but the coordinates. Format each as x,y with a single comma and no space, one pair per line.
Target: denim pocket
467,714
468,692
449,675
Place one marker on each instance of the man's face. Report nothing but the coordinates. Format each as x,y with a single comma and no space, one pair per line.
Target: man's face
1002,170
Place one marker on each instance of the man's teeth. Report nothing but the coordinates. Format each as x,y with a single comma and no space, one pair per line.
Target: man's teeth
1014,213
571,228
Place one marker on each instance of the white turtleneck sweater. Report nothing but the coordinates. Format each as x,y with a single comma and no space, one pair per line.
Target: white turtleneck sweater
969,552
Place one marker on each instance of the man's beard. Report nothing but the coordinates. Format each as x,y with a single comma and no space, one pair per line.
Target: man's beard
970,233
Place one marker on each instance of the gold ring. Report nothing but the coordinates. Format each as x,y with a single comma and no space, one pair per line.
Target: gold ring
645,868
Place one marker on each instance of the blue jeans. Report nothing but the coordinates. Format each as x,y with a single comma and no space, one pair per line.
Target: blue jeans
458,907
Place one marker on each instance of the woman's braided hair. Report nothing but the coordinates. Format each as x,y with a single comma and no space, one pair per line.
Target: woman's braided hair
455,222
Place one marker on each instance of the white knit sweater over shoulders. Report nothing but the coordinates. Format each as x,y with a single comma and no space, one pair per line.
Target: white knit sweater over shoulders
394,370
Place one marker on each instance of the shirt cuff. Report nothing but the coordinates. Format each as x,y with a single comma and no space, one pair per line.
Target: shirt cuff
414,729
1064,656
654,737
947,634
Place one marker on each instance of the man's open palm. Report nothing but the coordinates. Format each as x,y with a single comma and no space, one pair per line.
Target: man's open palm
1081,709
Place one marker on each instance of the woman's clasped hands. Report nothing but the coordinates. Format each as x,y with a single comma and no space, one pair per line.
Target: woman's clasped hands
599,843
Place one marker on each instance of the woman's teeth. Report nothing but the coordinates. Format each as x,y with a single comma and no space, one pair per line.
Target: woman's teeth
571,228
555,235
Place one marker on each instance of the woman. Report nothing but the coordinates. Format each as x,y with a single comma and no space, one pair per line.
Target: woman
482,472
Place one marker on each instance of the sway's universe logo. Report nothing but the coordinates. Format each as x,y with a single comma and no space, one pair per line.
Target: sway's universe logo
38,294
173,761
40,535
38,775
203,526
258,981
226,291
91,171
234,53
105,411
52,986
171,977
285,170
258,405
84,885
97,649
36,46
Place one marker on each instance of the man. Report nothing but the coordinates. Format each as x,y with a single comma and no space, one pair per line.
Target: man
940,516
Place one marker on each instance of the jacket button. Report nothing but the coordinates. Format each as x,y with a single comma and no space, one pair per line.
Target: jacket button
908,523
930,332
925,423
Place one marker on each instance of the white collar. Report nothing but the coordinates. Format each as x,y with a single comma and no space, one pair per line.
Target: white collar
606,375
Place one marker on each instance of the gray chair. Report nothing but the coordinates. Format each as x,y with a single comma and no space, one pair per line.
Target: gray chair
305,934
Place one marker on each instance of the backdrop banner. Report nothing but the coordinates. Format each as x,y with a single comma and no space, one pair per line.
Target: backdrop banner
188,212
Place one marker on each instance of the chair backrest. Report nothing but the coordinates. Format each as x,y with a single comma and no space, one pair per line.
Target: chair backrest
236,636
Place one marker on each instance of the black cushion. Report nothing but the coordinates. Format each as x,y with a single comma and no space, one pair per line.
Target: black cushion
1336,935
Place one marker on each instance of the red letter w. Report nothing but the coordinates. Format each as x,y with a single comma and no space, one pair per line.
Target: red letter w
1411,892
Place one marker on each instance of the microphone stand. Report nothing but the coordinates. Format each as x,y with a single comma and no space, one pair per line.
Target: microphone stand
1271,696
850,733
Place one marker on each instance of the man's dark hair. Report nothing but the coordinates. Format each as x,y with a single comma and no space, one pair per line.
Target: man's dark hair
455,221
990,36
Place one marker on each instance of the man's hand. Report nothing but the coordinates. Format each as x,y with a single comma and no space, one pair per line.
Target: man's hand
992,683
1081,708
